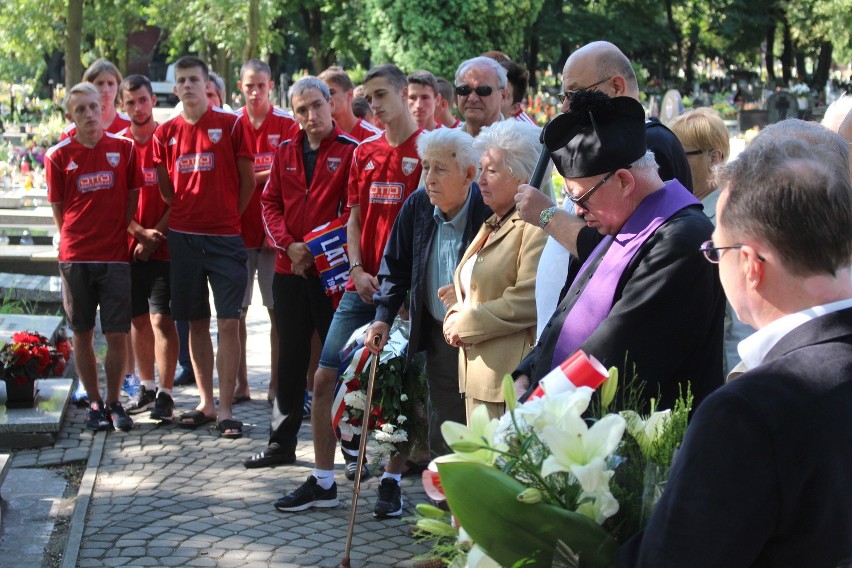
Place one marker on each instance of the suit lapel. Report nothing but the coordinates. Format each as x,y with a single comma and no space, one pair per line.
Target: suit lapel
824,329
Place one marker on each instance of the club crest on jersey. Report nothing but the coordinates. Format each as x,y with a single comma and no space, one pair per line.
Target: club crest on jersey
113,158
409,165
215,134
274,139
332,164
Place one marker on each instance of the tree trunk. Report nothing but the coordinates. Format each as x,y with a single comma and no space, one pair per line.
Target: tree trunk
801,68
787,54
250,50
73,39
770,53
679,64
320,57
532,57
823,65
689,61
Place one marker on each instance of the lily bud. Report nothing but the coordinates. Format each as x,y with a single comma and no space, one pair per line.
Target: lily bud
430,511
609,387
509,393
436,527
529,496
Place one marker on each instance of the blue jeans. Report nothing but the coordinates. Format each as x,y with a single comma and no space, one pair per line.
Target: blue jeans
351,314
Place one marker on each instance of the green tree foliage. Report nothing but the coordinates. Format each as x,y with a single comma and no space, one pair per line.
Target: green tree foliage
438,35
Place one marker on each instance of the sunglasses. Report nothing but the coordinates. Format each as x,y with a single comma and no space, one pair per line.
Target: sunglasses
466,90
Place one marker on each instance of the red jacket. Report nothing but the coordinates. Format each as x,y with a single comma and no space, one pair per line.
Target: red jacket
291,209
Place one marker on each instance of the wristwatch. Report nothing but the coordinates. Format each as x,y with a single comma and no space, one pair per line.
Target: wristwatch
545,216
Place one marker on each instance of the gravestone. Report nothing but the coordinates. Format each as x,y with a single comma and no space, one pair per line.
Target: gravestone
672,107
781,105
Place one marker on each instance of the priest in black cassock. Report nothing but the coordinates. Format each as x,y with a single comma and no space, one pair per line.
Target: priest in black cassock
644,300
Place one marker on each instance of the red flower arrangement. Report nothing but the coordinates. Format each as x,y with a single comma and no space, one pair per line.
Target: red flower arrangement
30,356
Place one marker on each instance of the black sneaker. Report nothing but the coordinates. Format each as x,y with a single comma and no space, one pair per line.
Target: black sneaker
164,407
389,503
352,466
310,494
96,417
141,401
119,418
185,376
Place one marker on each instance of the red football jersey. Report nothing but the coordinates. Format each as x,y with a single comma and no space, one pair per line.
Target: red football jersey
265,140
380,180
363,130
93,185
151,207
119,123
201,159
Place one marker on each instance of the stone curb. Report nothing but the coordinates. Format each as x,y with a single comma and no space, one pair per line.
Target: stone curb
81,507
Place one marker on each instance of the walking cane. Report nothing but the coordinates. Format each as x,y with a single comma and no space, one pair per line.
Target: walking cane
362,450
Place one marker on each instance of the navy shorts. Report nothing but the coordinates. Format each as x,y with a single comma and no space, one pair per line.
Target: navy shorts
87,285
150,289
197,259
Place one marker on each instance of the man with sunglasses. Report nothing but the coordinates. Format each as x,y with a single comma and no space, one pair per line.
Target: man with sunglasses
481,91
762,477
644,300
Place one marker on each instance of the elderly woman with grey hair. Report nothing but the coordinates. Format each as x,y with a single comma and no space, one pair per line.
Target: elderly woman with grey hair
436,224
493,319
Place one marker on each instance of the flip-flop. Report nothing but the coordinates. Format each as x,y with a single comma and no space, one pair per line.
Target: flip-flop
229,424
193,419
239,399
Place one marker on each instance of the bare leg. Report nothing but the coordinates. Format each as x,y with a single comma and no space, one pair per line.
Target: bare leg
143,346
396,464
86,363
242,387
227,363
129,365
316,350
201,352
325,441
115,363
166,347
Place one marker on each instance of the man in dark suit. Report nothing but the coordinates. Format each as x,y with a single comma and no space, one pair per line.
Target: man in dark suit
645,300
763,476
432,231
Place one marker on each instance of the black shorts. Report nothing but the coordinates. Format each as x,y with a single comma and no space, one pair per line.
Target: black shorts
196,259
150,290
87,285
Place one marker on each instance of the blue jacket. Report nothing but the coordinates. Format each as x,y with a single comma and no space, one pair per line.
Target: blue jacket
406,259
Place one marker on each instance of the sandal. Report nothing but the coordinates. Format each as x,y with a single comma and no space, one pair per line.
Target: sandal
235,427
193,419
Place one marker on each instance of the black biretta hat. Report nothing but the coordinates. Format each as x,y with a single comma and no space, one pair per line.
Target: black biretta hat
597,135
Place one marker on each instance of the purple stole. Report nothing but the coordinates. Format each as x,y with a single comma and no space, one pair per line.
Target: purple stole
596,298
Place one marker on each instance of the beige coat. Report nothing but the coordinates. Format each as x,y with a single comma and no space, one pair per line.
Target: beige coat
498,325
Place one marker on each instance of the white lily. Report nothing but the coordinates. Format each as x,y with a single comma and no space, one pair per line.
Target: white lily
468,442
646,432
552,409
581,450
600,505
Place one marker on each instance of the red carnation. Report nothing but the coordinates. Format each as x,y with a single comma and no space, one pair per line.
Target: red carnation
22,355
64,347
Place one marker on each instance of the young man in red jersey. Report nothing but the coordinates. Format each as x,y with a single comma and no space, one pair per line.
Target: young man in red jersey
307,188
342,91
206,173
422,98
152,328
93,182
269,126
105,77
385,171
445,104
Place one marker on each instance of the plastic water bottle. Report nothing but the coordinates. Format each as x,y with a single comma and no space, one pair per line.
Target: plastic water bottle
26,238
130,385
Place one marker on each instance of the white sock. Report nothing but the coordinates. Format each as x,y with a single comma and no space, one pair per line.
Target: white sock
165,390
325,477
149,385
395,476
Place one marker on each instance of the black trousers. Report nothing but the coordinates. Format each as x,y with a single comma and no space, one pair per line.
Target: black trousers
442,377
301,307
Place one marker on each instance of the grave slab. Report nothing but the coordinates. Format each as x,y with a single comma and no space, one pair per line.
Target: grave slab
13,323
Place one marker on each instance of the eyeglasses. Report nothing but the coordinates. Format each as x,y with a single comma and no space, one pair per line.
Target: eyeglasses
713,253
581,201
569,94
694,152
466,90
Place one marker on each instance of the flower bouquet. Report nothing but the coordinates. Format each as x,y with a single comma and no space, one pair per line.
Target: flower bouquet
27,358
399,394
557,481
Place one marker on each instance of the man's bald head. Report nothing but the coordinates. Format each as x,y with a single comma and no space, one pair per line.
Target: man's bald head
602,66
